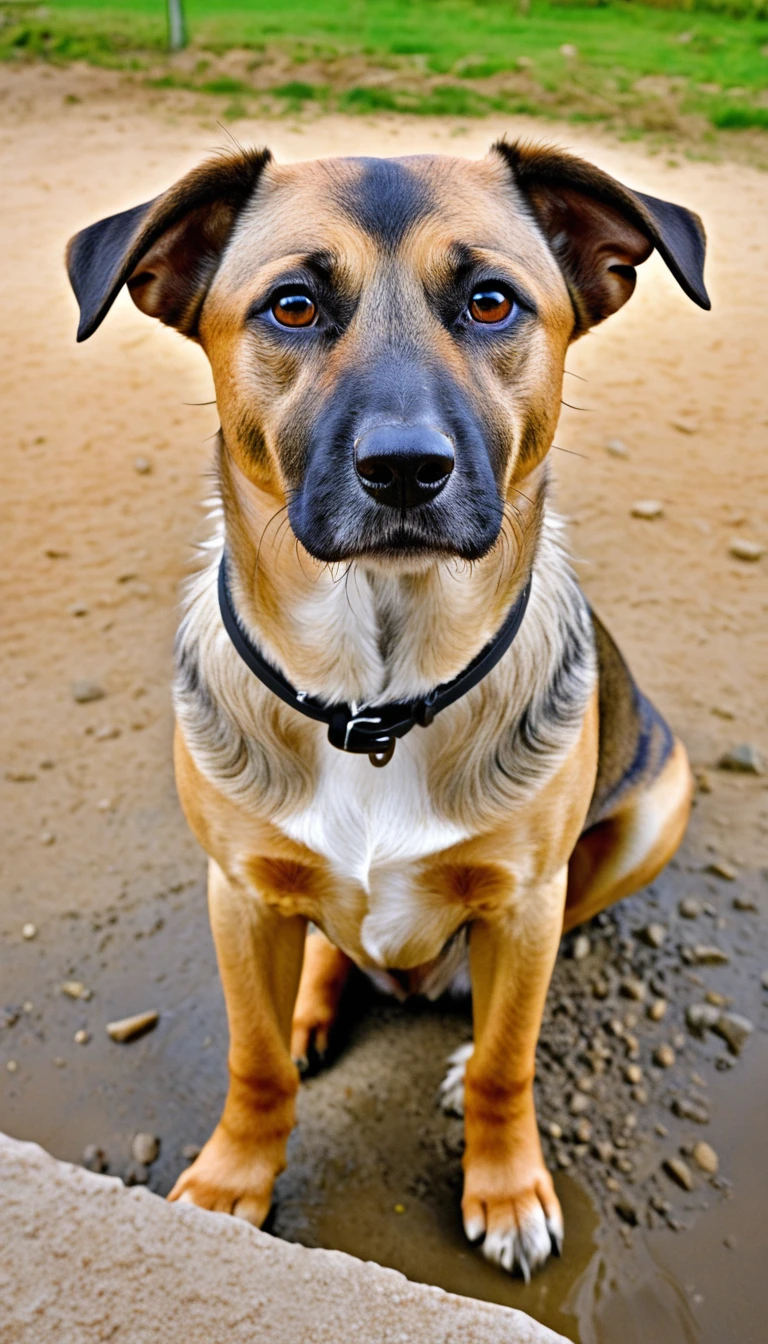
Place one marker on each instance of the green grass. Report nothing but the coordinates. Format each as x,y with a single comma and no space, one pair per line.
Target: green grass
659,66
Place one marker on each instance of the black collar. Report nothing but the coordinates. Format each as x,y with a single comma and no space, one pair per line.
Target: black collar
371,730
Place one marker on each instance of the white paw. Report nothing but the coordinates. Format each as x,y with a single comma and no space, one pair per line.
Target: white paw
450,1097
523,1241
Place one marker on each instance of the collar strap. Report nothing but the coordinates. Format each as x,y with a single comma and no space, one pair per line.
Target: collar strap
371,730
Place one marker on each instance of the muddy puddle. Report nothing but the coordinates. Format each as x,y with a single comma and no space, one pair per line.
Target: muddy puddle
375,1166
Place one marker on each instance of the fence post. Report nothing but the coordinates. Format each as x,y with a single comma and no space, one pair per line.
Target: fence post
177,28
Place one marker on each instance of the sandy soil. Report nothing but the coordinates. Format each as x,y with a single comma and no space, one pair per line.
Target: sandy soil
95,550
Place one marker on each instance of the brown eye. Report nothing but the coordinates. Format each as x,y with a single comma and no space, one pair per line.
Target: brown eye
294,310
489,305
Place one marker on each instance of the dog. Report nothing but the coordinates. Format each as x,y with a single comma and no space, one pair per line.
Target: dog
403,737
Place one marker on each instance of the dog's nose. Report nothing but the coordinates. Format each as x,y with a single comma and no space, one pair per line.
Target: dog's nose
403,465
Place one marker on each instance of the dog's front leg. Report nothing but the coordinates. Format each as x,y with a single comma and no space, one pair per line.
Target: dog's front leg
259,952
509,1198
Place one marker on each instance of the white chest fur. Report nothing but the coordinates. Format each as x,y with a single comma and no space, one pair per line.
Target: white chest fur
373,826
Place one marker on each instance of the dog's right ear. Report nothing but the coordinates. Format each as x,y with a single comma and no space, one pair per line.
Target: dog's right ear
166,251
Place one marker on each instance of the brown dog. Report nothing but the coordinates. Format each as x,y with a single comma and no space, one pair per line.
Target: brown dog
387,340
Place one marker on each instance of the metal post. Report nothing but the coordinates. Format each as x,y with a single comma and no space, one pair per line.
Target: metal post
177,28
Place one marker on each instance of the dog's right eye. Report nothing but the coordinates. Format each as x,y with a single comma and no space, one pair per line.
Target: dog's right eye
295,309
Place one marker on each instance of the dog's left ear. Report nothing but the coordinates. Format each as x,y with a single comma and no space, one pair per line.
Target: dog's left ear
167,250
600,231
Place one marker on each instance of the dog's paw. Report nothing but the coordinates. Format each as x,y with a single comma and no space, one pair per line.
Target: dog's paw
518,1226
310,1034
450,1097
228,1177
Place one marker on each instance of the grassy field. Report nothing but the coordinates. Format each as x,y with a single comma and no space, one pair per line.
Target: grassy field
696,70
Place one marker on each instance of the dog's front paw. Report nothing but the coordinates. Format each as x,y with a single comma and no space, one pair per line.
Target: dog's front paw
516,1215
229,1177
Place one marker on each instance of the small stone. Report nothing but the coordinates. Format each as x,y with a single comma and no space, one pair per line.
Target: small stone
145,1149
191,1151
47,838
690,1108
83,692
744,904
680,1172
647,508
74,989
664,1056
705,1157
653,935
136,1174
705,954
94,1158
29,931
583,1130
78,609
632,988
627,1211
603,1150
633,1073
127,1028
625,1165
142,466
764,980
579,1103
82,1037
106,732
564,1159
744,759
612,1184
581,947
730,1242
741,548
600,988
735,1030
617,448
657,1009
12,1066
689,907
685,424
719,868
661,1130
640,1095
703,781
554,1130
701,1017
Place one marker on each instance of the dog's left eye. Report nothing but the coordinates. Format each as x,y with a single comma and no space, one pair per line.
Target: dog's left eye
296,309
490,305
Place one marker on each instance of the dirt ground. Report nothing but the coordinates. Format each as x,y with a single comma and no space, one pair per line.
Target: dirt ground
106,450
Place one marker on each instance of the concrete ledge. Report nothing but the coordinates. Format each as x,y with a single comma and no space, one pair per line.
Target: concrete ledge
85,1260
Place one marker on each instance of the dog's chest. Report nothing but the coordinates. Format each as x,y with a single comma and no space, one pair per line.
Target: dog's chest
373,827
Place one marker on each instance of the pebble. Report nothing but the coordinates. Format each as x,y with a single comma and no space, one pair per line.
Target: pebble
94,1158
142,466
627,1211
29,931
689,907
191,1151
657,1009
701,1017
106,732
653,935
664,1056
136,1174
632,988
633,1073
600,988
82,1037
145,1149
685,424
554,1130
583,1130
12,1066
690,1108
581,947
129,1027
617,448
743,549
47,838
744,903
579,1103
705,954
75,989
764,980
705,1157
680,1172
83,692
647,508
640,1095
734,1029
719,868
744,759
703,781
78,609
603,1150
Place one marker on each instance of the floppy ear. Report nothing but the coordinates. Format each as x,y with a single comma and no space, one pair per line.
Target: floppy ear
600,231
167,250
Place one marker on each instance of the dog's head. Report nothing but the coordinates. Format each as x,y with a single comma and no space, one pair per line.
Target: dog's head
387,336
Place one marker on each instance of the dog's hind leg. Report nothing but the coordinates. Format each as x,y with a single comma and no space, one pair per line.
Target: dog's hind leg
259,952
628,849
323,978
